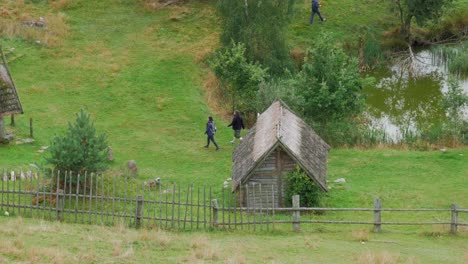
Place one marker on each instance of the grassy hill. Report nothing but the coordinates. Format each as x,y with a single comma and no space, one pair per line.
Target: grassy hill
139,74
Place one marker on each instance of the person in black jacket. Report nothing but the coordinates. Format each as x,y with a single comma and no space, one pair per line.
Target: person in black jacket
210,132
237,125
315,10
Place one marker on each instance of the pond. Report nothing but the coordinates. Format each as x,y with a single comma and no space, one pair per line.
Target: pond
407,95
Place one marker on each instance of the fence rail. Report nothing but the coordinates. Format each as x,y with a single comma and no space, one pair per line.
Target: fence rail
98,199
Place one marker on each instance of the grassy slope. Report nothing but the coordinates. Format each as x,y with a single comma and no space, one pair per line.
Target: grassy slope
136,72
36,241
346,20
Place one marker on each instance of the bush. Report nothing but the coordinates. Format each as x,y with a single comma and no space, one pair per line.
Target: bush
80,149
298,183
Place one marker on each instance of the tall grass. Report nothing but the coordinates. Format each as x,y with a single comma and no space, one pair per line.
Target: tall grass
15,14
454,56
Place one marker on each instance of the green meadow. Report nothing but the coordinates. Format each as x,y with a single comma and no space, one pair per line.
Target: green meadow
141,75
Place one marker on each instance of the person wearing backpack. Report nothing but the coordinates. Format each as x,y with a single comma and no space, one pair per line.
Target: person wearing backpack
210,132
315,10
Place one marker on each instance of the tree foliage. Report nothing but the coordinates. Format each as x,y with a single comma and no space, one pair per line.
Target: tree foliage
421,10
260,25
240,78
330,84
80,149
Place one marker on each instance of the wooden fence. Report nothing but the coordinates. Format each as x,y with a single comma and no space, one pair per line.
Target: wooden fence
97,199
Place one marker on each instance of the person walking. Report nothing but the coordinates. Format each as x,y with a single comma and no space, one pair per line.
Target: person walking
315,10
237,125
210,132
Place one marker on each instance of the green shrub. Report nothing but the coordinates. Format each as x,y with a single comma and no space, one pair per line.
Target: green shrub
80,149
298,183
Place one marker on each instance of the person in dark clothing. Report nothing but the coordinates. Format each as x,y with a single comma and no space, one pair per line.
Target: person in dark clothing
315,10
210,132
237,125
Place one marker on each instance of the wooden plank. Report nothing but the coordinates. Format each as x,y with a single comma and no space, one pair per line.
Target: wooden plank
178,207
167,216
173,205
160,206
191,207
19,189
204,206
70,191
102,199
125,199
222,203
82,216
113,199
90,197
77,198
186,206
235,210
198,205
96,200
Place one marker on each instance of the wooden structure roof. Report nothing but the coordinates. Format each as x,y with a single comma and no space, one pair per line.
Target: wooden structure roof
9,100
279,126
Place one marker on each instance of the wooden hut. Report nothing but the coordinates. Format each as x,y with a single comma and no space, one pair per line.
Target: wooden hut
275,145
9,100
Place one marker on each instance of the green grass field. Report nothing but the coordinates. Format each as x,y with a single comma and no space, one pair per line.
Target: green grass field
36,241
139,74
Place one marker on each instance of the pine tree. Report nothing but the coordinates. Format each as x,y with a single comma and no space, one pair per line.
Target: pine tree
80,149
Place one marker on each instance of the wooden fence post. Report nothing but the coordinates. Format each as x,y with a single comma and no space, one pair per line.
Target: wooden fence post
31,127
12,120
453,225
296,214
214,205
377,215
59,204
138,211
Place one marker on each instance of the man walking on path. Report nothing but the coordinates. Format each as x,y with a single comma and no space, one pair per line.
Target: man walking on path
315,10
237,125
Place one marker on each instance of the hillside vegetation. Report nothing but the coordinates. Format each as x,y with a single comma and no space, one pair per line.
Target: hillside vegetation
141,75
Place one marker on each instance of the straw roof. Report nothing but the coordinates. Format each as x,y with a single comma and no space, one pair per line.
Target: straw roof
278,126
9,100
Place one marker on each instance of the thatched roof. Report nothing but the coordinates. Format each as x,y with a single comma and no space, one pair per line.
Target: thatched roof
9,100
278,126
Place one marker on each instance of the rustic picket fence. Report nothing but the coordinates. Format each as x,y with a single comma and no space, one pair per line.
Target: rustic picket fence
109,200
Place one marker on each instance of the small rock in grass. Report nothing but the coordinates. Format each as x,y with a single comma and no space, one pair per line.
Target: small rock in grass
340,180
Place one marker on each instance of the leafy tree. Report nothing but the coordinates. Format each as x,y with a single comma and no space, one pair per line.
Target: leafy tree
330,84
240,78
80,149
421,10
260,25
